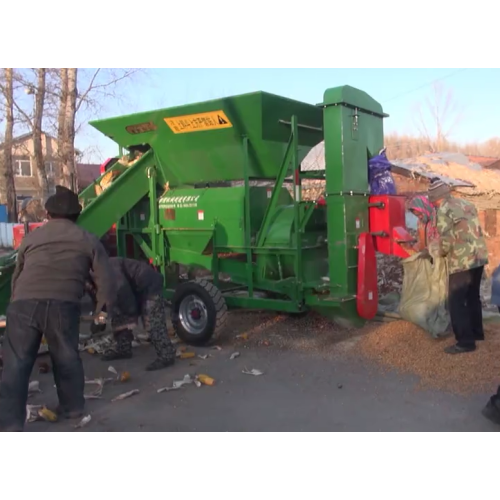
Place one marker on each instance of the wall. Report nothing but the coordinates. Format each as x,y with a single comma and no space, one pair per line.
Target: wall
6,235
28,186
490,222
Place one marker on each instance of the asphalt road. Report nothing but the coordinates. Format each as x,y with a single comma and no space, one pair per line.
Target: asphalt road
300,390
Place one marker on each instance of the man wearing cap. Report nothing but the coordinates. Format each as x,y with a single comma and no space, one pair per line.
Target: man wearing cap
461,240
53,264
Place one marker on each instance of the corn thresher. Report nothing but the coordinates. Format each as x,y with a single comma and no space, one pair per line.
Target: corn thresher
217,185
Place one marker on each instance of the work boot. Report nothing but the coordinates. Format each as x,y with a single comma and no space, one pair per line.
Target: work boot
122,349
60,412
459,349
491,411
114,354
160,363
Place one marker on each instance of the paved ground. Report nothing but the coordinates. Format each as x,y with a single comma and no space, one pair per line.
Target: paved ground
310,383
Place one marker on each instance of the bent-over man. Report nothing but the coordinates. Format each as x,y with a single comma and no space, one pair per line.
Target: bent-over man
139,293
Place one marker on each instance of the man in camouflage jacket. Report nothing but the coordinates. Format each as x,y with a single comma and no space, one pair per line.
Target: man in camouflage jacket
461,240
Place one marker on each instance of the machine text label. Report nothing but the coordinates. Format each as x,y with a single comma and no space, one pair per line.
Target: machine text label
212,120
178,202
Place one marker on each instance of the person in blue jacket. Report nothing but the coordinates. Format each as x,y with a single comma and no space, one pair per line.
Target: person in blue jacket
492,410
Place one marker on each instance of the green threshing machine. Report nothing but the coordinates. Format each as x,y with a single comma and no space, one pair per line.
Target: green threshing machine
217,185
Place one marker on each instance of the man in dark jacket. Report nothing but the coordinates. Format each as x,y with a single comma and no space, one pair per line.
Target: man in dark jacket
53,264
139,293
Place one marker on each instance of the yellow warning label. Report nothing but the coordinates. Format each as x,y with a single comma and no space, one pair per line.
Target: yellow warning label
212,120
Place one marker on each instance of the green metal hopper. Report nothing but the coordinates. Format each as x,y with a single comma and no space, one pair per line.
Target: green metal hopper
202,143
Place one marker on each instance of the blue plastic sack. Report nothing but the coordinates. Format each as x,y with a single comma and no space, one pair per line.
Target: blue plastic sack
379,175
495,287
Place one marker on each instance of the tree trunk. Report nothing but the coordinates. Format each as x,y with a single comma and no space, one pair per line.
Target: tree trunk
70,126
7,185
61,127
38,159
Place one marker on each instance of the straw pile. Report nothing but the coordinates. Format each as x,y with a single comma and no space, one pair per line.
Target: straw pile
312,189
406,348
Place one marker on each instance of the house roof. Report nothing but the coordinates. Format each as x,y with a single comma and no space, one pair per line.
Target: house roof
455,169
87,173
484,161
466,178
464,175
23,137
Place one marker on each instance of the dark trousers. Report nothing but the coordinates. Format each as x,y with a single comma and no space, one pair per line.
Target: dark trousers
464,303
27,322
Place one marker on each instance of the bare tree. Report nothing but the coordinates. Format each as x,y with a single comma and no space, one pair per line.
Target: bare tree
438,117
7,185
407,146
66,125
61,123
98,86
33,84
38,157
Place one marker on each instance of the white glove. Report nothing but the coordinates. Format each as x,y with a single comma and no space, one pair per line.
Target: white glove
101,318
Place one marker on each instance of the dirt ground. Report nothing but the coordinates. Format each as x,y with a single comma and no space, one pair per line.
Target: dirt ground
313,380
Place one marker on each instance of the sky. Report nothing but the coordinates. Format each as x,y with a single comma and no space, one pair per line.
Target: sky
402,92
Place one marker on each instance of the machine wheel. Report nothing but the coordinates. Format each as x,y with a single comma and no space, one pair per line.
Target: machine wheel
199,312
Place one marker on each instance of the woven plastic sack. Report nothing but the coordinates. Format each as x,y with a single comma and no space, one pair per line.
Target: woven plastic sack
379,175
424,294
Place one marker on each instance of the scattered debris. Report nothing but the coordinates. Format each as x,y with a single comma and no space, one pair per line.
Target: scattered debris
242,336
32,413
83,422
98,392
203,356
91,350
112,369
234,355
34,386
187,355
253,371
43,367
124,377
47,415
125,395
177,384
100,382
166,389
205,379
217,348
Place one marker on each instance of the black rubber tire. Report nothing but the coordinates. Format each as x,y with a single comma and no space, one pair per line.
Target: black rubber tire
216,311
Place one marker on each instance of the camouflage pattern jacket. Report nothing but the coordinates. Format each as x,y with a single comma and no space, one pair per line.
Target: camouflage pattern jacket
460,235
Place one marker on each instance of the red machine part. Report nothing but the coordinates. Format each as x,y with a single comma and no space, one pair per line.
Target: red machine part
107,165
18,232
367,287
387,216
